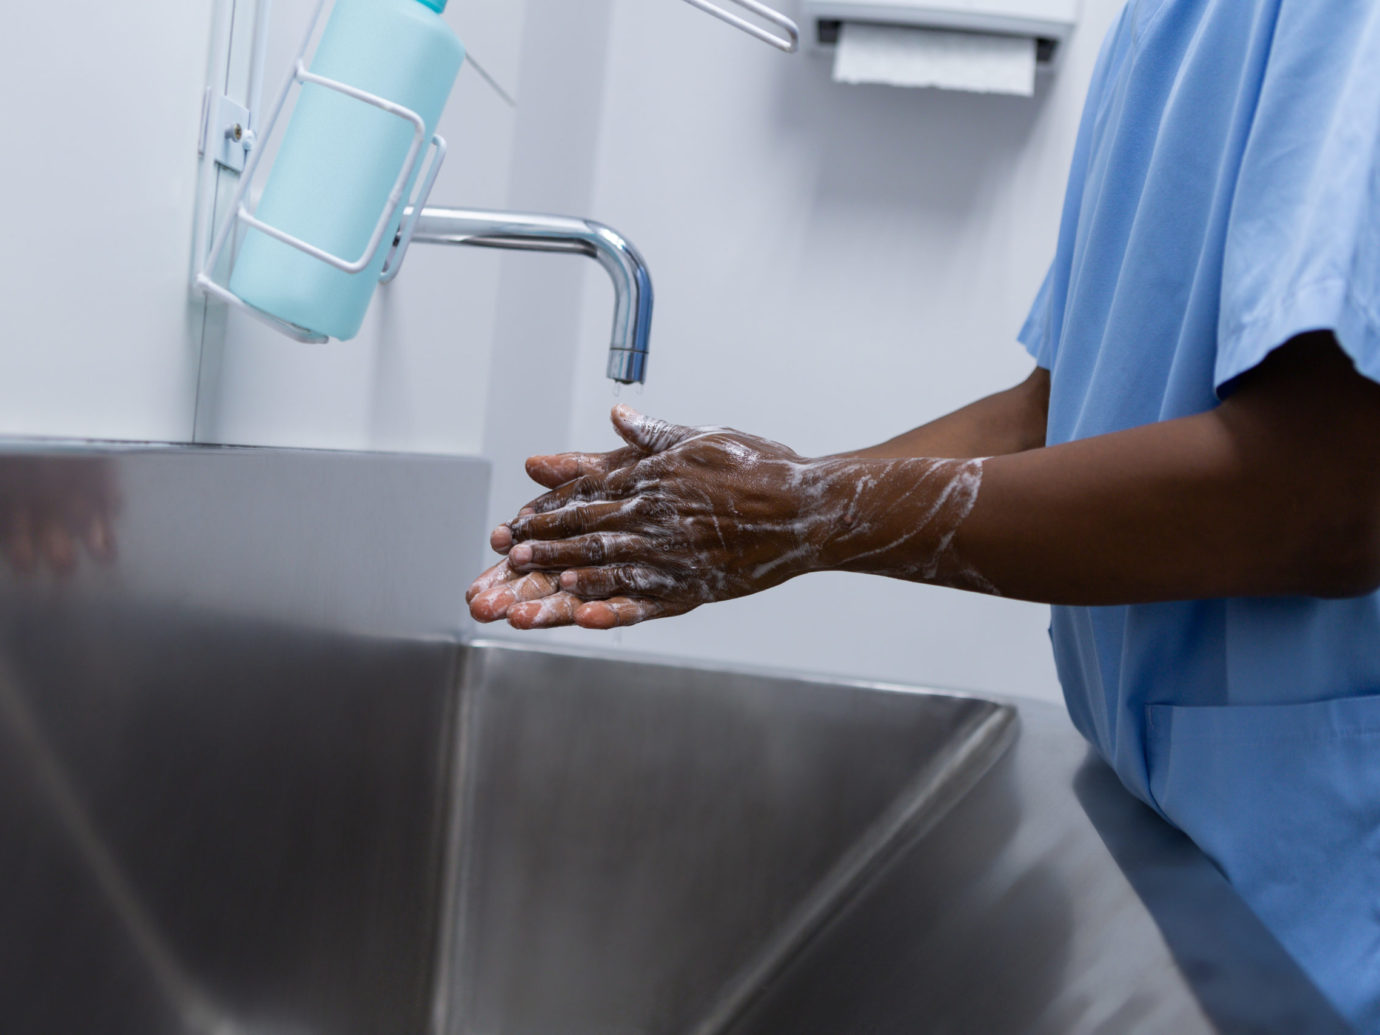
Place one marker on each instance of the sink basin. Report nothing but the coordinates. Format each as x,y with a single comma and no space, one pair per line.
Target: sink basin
252,783
642,848
247,830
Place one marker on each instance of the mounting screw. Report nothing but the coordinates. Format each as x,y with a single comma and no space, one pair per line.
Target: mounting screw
235,132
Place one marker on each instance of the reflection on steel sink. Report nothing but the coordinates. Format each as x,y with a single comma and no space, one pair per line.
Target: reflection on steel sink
642,847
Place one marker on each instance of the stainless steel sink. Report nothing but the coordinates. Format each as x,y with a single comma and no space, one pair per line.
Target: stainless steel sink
254,782
297,834
642,848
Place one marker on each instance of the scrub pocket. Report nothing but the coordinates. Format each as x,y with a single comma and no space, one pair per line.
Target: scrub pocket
1285,799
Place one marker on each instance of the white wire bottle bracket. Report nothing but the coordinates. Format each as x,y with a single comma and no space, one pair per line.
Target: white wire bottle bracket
240,214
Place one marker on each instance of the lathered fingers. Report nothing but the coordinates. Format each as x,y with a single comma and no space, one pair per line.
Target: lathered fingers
587,551
493,604
577,520
547,613
628,580
556,470
622,612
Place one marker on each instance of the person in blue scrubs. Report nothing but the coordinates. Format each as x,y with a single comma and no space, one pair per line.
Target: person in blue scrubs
1191,475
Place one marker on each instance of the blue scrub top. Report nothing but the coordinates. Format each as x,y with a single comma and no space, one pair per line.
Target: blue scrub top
1224,198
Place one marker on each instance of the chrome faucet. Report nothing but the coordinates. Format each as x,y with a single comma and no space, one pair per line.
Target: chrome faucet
632,283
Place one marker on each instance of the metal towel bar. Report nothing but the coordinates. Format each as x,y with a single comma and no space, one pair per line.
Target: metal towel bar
789,42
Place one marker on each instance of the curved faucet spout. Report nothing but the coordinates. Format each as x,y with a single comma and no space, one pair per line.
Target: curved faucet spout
632,283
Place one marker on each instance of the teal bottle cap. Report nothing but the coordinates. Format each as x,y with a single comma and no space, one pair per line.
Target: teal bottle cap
436,5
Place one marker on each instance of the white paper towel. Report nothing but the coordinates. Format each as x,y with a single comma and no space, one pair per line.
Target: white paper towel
903,56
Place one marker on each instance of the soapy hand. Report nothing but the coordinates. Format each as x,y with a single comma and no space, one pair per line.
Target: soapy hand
678,518
684,516
534,599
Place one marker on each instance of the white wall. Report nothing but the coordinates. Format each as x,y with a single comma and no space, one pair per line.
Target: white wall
833,265
101,110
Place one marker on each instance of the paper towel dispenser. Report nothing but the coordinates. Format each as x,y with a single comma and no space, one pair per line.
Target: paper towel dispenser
1048,22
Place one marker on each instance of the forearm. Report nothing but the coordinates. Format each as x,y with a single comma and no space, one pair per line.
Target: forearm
1228,503
1173,511
1011,421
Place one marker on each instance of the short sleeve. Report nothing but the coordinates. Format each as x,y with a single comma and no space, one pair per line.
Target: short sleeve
1037,334
1044,324
1302,251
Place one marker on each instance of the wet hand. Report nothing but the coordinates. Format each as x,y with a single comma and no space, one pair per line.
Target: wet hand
681,517
534,600
527,600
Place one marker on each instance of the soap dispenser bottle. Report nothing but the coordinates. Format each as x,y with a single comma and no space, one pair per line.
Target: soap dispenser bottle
340,159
